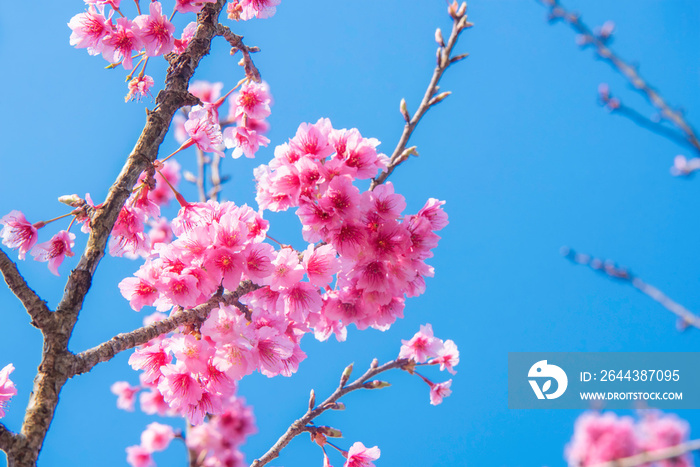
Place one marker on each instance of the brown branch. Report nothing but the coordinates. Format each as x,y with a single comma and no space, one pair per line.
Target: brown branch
215,177
35,306
444,60
7,438
557,11
609,269
57,361
237,44
85,361
657,455
300,425
201,180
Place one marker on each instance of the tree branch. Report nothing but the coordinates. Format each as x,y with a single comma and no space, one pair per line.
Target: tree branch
35,306
649,457
85,361
57,362
7,438
444,60
557,11
609,269
300,425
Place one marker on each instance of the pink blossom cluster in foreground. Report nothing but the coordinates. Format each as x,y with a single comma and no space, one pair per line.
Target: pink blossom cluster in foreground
7,387
603,437
381,250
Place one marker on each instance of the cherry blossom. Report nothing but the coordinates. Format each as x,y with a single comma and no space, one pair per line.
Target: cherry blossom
121,42
139,87
55,250
438,391
156,31
7,387
422,346
138,456
157,437
360,456
89,29
18,233
600,438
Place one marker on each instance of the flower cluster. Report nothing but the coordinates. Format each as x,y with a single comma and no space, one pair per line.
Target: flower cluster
7,387
156,437
218,439
249,9
425,348
381,251
143,208
603,437
244,126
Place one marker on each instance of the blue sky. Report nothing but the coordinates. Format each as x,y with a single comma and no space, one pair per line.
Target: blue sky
522,153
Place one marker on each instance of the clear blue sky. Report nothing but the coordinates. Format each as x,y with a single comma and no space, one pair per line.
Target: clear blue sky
524,156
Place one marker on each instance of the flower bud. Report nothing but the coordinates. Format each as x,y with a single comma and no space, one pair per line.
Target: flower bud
312,400
73,201
404,110
376,384
440,97
346,375
330,432
438,38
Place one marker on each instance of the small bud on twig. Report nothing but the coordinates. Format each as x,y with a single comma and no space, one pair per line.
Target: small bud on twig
458,58
375,362
73,201
312,400
189,176
346,375
376,384
438,38
404,110
334,406
440,97
462,9
330,432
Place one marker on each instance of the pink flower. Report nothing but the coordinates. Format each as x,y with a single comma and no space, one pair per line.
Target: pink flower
422,345
126,395
156,31
88,30
253,101
601,438
55,250
321,264
179,45
448,357
360,456
138,456
250,9
438,391
157,437
18,233
121,42
660,431
191,6
204,132
7,387
178,386
139,87
206,91
244,141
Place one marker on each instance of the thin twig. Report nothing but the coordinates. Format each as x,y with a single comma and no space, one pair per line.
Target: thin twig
35,306
653,126
215,177
300,425
611,270
649,457
237,44
201,180
85,361
557,11
444,60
